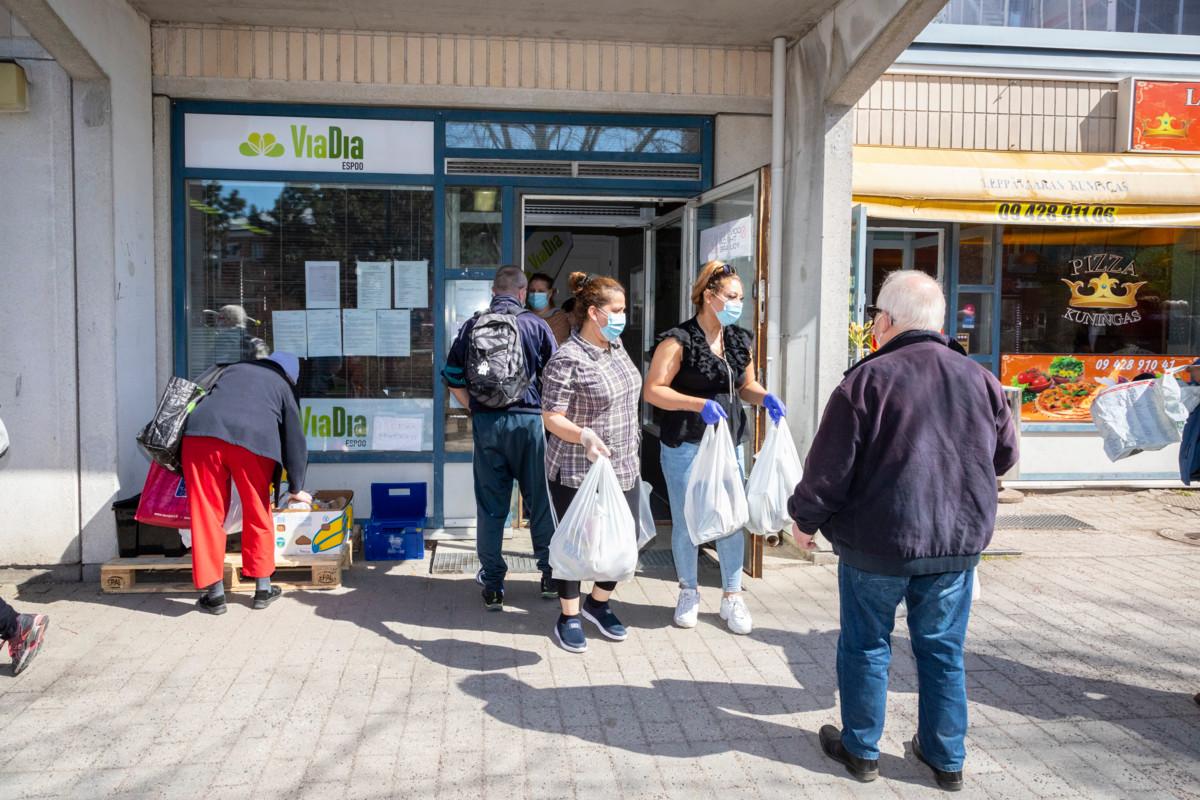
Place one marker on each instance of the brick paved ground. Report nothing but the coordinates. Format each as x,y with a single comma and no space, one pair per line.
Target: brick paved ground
1085,652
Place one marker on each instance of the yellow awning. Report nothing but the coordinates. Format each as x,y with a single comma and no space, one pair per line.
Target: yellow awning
1075,189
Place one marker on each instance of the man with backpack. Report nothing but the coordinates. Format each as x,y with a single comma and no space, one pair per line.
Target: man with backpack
495,369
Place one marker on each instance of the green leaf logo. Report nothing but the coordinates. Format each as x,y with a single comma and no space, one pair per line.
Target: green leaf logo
261,144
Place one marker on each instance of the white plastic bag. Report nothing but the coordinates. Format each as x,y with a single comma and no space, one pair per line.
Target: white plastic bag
233,519
776,472
714,505
1133,417
646,528
596,539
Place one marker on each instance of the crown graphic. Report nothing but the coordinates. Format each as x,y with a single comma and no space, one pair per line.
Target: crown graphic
1103,294
1168,127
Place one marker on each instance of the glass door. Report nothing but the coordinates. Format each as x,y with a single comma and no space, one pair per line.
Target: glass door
726,223
891,248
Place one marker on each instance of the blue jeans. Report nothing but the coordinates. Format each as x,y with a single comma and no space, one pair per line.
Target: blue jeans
731,550
938,607
509,446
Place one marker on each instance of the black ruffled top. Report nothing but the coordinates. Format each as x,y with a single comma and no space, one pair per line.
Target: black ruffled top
703,373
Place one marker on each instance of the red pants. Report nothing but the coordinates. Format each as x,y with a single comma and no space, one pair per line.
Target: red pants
208,467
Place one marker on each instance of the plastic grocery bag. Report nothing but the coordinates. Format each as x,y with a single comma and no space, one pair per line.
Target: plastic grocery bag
233,519
1133,417
645,527
596,539
776,472
164,500
714,505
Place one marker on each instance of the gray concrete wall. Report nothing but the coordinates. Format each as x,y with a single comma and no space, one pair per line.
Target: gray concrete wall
743,143
104,47
828,70
39,521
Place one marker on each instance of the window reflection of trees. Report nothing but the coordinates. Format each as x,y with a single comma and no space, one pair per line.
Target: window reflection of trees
247,244
566,138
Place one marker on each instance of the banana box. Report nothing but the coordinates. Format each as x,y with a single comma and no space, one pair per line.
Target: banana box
323,529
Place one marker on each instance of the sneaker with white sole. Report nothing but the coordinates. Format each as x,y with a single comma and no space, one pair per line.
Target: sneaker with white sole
736,614
687,608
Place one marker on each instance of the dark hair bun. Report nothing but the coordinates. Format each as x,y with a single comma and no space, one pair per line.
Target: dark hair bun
577,281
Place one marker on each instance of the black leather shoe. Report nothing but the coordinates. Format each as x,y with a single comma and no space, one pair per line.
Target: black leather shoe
862,769
210,606
264,599
949,781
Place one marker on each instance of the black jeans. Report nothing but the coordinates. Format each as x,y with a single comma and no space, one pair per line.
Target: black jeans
561,497
8,620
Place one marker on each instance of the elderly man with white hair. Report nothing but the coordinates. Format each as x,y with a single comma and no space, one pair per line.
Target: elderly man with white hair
901,478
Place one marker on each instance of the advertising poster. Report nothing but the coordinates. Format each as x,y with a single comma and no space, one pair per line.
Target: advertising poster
351,424
729,240
1061,388
1164,117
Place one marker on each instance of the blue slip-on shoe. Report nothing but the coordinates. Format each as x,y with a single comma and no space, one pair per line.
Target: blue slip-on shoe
602,616
569,633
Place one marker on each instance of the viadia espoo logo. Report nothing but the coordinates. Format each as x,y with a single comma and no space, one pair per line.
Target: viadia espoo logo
333,143
261,144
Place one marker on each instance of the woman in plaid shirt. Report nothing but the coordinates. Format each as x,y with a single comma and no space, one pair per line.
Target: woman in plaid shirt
590,394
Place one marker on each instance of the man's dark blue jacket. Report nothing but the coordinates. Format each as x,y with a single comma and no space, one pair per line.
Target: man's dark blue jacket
901,476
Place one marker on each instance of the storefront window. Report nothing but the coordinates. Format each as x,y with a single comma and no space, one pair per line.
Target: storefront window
726,230
1126,291
567,138
474,226
338,274
464,298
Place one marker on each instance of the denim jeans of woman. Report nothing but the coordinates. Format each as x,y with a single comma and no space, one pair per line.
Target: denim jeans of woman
731,550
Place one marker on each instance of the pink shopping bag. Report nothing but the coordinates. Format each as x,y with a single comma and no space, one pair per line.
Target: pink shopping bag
164,500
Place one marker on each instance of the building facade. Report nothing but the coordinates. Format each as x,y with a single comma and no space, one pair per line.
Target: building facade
1043,162
343,179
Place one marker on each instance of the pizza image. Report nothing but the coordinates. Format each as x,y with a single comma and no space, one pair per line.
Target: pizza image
1068,401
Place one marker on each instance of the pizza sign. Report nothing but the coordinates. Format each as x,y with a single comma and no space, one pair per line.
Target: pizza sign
1061,388
1163,116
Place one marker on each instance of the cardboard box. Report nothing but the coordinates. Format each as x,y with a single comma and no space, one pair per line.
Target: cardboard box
303,532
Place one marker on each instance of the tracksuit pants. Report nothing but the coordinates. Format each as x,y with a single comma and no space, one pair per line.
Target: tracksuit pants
209,465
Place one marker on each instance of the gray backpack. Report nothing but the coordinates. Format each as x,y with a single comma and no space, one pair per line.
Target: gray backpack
496,374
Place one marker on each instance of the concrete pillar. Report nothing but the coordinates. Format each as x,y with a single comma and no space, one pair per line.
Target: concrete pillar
104,46
827,71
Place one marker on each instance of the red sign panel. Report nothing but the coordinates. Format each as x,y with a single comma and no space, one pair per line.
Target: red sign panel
1165,117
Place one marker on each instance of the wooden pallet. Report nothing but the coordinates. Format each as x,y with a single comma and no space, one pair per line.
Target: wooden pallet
149,574
318,571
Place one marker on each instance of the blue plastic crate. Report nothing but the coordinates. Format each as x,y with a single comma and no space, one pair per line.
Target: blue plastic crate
396,530
389,543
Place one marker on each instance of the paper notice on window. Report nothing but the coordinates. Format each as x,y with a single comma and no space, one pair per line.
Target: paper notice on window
324,333
397,433
729,240
411,284
374,280
359,331
394,333
322,284
289,332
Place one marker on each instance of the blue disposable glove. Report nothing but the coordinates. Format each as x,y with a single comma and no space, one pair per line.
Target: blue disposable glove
774,407
712,413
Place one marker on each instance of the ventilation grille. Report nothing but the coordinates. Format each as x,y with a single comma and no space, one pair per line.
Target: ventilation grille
572,169
504,166
581,210
662,172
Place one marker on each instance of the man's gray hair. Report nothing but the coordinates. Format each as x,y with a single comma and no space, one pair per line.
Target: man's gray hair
509,278
913,300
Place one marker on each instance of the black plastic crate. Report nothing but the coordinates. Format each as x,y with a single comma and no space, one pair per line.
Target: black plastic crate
138,539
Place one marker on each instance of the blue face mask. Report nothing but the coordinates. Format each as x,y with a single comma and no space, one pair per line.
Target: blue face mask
539,300
731,313
612,330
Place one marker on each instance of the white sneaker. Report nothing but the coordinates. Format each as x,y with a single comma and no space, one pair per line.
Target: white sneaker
736,614
687,609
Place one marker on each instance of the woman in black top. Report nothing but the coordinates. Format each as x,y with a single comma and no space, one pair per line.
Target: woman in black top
700,373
